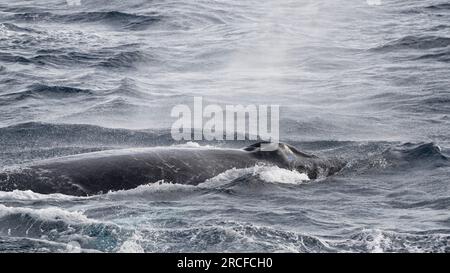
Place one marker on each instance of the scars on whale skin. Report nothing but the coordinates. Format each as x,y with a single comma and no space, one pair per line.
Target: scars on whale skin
100,172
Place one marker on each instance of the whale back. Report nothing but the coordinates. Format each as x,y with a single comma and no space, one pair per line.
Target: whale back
100,172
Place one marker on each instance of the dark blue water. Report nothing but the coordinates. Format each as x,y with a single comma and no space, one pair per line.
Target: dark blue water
365,81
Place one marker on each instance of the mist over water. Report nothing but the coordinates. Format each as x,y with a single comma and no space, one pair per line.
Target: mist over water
365,81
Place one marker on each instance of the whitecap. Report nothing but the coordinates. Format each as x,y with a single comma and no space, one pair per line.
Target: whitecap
48,214
157,187
28,195
269,174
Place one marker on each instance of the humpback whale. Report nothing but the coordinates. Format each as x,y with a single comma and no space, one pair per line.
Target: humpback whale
112,170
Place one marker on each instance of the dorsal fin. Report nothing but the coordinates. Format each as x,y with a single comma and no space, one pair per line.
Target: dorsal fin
299,153
255,147
275,146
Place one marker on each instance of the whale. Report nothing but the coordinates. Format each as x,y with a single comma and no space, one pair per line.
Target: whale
112,170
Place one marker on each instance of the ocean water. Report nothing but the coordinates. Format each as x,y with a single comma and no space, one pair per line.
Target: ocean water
365,81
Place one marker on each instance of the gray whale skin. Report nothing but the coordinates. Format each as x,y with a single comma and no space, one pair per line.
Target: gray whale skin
101,172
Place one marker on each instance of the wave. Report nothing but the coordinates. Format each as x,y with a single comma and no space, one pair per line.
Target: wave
125,20
48,91
100,58
57,90
442,203
442,6
29,195
29,245
122,20
62,58
15,28
229,235
11,58
441,56
59,225
46,214
378,241
400,157
411,152
241,236
438,9
127,59
416,42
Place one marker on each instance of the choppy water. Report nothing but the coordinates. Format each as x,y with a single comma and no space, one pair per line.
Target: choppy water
367,83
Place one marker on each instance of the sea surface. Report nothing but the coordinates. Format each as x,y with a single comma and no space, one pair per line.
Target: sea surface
365,81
